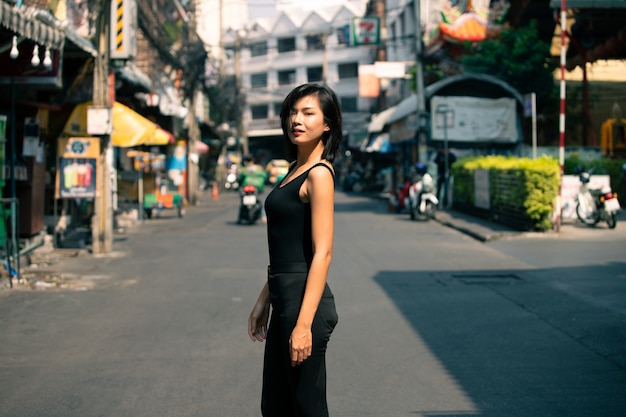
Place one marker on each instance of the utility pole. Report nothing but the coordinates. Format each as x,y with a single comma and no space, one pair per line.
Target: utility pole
325,58
381,50
240,98
419,84
102,221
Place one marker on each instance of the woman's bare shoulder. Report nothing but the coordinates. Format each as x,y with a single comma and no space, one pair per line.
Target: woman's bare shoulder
321,169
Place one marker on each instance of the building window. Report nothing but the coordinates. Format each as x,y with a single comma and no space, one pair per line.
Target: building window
348,104
259,111
258,80
277,108
315,42
343,35
314,74
287,77
286,45
229,52
350,70
258,49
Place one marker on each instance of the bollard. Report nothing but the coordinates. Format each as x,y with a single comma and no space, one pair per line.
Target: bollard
214,191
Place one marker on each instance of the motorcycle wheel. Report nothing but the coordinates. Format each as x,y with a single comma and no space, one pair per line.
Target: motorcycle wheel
414,212
430,210
589,221
611,221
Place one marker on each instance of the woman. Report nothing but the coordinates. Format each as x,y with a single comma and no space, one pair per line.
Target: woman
300,236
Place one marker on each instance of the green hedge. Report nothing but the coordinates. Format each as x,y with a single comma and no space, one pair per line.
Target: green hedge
522,190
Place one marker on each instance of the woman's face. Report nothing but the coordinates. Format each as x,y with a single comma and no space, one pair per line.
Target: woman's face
307,121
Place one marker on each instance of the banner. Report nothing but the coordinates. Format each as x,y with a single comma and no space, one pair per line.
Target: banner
473,119
77,165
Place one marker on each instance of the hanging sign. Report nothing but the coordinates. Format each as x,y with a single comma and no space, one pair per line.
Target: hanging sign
76,167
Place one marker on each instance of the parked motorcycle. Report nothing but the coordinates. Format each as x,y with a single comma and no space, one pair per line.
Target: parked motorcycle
596,204
250,208
422,199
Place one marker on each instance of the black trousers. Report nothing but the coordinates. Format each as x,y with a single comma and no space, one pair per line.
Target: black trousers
298,391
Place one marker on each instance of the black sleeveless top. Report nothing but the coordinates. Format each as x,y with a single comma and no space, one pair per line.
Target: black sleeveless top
289,222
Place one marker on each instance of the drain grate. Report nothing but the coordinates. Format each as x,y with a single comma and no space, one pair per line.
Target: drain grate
487,279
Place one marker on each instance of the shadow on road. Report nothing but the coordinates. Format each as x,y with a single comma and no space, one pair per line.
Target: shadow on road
522,343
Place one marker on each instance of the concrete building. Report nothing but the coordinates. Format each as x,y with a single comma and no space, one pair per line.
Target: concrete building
273,55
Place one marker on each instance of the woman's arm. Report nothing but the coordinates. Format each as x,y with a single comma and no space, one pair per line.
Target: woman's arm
319,191
257,322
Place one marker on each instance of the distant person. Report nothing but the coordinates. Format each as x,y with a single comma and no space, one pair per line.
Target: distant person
252,173
300,224
442,175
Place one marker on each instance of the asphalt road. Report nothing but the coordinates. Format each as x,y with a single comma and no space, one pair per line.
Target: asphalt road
432,322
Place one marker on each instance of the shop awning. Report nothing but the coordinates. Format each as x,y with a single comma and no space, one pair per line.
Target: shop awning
379,120
129,127
24,25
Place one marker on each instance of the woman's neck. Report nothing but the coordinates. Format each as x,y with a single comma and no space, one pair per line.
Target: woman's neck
309,156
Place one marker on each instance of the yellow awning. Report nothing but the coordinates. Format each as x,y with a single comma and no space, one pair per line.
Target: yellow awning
129,127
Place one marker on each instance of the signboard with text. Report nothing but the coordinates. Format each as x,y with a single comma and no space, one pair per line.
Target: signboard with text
474,119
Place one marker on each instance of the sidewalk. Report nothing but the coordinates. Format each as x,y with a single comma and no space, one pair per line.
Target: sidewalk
486,231
75,267
479,229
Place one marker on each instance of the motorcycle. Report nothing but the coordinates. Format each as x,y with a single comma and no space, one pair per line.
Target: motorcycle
422,199
596,204
250,208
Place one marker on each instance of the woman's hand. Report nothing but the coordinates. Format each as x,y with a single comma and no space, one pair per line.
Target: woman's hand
257,322
300,344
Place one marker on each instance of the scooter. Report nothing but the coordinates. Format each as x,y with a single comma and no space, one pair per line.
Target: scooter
422,199
596,204
250,208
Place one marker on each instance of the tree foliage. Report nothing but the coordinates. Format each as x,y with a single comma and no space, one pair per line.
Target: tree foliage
518,57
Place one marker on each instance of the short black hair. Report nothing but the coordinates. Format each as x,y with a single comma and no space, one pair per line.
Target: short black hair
332,117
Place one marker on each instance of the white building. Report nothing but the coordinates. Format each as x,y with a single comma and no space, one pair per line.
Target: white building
400,44
294,47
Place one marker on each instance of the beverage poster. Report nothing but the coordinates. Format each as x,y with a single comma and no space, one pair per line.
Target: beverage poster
76,167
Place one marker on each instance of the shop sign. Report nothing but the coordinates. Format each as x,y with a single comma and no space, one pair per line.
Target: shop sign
77,165
365,31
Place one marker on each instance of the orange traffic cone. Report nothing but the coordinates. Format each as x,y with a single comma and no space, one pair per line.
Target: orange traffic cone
214,192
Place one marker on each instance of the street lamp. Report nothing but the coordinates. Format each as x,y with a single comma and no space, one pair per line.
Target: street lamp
445,119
